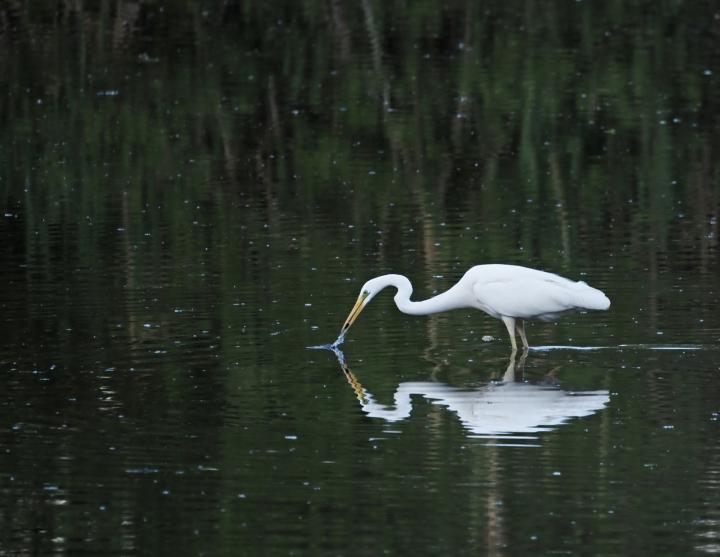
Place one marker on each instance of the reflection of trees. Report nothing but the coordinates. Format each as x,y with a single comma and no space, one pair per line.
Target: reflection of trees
462,116
210,126
449,101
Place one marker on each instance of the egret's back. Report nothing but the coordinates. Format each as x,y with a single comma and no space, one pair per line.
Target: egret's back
520,292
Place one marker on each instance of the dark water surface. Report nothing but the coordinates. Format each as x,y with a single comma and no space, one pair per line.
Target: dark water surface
192,195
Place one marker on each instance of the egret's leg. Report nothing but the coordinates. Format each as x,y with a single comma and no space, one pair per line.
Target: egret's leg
510,325
521,330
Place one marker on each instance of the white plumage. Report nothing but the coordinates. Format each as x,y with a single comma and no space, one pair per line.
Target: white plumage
508,292
496,409
523,293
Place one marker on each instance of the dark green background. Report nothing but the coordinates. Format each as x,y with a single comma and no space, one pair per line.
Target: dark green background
193,192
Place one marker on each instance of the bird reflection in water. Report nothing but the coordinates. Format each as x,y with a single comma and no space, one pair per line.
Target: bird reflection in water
510,406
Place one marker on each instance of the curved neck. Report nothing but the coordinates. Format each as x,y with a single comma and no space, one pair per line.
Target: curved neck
442,302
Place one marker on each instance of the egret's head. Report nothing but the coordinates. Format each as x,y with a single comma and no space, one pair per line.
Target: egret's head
367,293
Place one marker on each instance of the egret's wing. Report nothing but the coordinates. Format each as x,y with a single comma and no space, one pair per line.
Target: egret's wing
527,298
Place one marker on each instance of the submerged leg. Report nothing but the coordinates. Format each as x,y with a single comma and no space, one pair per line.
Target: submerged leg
521,330
509,376
510,325
515,369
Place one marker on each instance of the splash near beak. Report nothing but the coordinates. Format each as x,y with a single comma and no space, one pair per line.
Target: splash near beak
354,312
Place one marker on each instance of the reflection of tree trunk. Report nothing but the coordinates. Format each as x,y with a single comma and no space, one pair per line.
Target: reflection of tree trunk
443,180
125,17
652,247
652,289
705,208
377,54
606,431
708,483
14,19
274,112
429,254
494,504
228,147
129,269
419,135
341,30
558,191
273,142
458,118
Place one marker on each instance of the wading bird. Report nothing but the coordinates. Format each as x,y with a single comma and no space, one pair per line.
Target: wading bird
508,292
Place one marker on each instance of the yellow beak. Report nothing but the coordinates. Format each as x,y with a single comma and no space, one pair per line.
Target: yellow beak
354,312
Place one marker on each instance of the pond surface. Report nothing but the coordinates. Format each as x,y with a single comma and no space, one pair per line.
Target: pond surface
192,197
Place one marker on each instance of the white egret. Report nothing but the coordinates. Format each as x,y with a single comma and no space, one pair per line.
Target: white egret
508,292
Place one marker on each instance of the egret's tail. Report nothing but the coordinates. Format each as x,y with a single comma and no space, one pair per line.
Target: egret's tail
590,298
